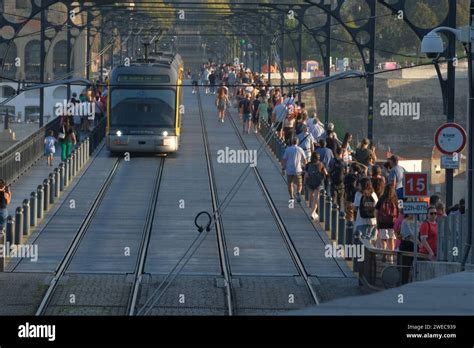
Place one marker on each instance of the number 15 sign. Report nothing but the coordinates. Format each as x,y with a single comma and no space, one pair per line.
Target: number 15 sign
416,185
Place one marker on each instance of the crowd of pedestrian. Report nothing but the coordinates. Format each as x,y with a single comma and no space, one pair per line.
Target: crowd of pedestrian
369,191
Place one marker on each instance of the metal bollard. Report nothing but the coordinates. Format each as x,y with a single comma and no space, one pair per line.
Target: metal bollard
66,173
46,195
2,255
334,220
78,158
39,209
10,237
52,185
356,242
322,195
57,183
68,170
26,217
87,149
327,211
72,166
349,233
341,232
18,225
33,209
61,177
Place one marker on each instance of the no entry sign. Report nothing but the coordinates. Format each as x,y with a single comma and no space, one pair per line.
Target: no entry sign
450,138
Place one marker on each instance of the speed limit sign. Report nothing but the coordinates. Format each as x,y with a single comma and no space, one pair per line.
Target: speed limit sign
415,185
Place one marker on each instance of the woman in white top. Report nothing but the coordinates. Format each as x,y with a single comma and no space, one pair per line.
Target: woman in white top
364,201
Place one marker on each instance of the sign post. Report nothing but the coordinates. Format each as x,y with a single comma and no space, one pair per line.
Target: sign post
415,185
450,139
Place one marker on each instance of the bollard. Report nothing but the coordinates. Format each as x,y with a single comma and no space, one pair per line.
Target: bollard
349,233
18,225
26,217
68,170
52,185
79,156
33,209
334,220
322,194
87,149
61,177
10,237
356,243
46,195
2,255
57,183
72,166
39,208
78,160
341,232
327,211
66,173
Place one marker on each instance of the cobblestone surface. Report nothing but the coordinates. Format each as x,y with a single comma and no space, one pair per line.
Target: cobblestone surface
94,294
21,293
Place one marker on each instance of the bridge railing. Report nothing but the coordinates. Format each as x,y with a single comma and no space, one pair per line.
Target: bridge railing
20,225
452,238
17,159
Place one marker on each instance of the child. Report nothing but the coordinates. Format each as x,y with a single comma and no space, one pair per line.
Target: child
50,147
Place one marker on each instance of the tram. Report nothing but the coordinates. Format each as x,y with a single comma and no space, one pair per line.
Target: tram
144,99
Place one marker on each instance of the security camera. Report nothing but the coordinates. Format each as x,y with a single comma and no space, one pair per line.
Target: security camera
432,45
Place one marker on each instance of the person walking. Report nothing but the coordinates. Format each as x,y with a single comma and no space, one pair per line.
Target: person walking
67,140
222,102
293,162
365,201
245,108
387,211
263,109
5,199
50,148
315,172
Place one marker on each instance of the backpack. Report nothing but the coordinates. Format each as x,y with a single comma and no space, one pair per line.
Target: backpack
315,176
5,199
337,172
367,207
387,214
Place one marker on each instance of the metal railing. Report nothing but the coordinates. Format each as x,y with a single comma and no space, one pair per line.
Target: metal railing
17,159
32,212
452,238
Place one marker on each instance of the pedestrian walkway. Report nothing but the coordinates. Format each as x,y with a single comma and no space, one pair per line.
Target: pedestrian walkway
448,295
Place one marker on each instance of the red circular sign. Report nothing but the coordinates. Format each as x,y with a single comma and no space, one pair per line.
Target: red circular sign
450,138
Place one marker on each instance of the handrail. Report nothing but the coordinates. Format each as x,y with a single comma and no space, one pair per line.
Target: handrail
19,157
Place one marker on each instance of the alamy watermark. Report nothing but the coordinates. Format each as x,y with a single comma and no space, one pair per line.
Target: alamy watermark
339,251
228,155
23,251
84,109
393,108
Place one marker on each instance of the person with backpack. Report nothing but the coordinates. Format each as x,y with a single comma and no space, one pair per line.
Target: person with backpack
364,202
50,148
337,170
5,199
378,181
245,108
351,181
387,212
314,182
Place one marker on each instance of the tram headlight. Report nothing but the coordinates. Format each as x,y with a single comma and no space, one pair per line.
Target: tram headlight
119,133
165,133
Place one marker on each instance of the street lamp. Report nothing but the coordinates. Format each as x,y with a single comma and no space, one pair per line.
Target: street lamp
432,45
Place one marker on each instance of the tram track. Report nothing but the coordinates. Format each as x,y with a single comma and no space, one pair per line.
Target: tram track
290,245
221,241
49,298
